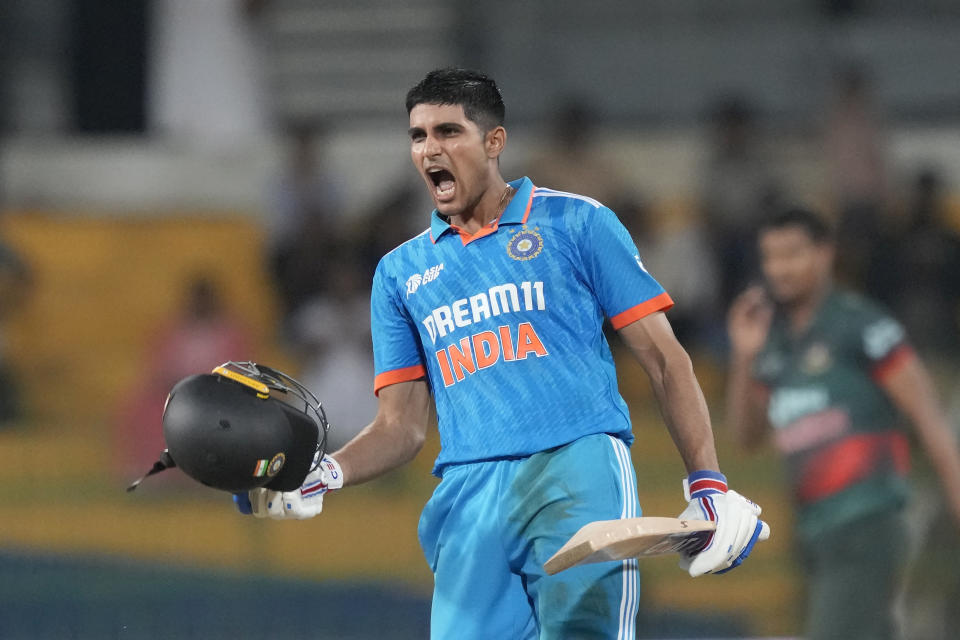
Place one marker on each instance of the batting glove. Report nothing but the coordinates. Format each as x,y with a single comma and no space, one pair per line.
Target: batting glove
738,523
299,504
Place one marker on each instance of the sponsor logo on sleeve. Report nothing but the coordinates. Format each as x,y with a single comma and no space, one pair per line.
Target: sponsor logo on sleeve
881,337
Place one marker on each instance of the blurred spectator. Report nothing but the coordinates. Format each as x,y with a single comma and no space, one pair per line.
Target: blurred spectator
391,221
302,221
571,160
202,335
15,279
675,250
919,273
736,189
206,76
856,161
332,335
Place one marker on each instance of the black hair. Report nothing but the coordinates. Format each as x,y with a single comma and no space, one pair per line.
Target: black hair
814,225
472,90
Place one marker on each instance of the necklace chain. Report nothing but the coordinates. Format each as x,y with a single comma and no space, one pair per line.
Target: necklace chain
502,204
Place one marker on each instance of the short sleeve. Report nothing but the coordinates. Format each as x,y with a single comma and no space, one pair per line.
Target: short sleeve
397,354
882,342
625,289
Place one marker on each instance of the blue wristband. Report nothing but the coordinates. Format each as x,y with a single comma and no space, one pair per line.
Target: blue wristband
705,483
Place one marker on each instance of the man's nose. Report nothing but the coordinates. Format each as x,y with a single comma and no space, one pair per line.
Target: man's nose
431,147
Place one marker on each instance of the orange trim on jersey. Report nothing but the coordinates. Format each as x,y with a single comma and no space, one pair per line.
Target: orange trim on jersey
491,227
661,302
466,238
405,374
892,363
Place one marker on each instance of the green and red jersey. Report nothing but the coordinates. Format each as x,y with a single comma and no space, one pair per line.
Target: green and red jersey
846,451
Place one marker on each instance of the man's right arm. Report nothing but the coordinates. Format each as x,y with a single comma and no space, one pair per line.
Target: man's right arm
748,324
394,437
746,403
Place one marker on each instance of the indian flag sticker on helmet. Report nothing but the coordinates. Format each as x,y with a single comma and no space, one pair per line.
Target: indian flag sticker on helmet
276,463
261,469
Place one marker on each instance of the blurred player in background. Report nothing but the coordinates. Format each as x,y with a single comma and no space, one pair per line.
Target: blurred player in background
494,315
827,373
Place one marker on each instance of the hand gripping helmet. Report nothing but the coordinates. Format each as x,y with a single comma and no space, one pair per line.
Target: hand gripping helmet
242,427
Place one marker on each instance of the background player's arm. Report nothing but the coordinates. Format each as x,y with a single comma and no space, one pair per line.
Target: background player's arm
911,389
678,393
748,324
394,437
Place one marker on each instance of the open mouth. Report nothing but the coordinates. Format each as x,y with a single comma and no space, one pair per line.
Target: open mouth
444,184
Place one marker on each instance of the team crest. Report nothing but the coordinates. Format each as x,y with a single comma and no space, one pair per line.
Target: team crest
525,244
276,463
816,359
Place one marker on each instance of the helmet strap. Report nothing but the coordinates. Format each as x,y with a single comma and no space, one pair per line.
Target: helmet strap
165,462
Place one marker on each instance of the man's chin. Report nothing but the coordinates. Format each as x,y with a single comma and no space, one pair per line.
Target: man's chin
448,209
785,297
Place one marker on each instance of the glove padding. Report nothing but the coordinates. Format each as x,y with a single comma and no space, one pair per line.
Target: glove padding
300,504
738,525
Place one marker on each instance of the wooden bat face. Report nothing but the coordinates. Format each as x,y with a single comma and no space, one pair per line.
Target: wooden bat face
607,540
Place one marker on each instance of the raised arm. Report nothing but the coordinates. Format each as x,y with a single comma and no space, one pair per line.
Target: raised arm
394,437
748,324
675,386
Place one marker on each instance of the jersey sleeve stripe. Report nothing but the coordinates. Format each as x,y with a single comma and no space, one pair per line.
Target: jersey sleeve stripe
886,367
661,302
405,374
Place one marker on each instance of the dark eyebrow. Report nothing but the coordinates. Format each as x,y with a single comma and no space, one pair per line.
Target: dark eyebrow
443,125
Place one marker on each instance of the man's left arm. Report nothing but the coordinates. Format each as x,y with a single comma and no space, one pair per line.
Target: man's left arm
684,410
911,389
675,386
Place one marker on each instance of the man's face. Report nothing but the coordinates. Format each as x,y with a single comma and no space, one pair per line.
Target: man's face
452,155
794,266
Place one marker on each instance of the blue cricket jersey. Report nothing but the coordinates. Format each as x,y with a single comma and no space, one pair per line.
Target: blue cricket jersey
506,324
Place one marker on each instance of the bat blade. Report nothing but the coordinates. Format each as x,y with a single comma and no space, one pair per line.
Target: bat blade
606,540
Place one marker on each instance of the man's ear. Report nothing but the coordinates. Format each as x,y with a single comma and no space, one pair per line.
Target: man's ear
495,141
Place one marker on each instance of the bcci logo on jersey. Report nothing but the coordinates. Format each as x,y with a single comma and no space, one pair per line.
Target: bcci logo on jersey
414,281
525,244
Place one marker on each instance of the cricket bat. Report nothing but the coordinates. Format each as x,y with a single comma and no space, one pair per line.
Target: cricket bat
629,538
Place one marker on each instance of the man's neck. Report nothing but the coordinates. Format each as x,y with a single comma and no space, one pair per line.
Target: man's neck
487,208
801,312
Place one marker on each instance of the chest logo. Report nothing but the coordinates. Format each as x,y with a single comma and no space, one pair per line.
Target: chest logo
817,359
525,244
417,279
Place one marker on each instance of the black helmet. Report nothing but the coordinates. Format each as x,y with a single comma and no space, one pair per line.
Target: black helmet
242,427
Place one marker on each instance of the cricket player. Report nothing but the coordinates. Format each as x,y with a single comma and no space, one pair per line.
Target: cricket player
828,374
494,315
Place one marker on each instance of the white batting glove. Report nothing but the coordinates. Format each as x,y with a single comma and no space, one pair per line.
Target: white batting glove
738,523
302,503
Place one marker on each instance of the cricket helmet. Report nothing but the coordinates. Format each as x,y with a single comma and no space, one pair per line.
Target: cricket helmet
242,427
